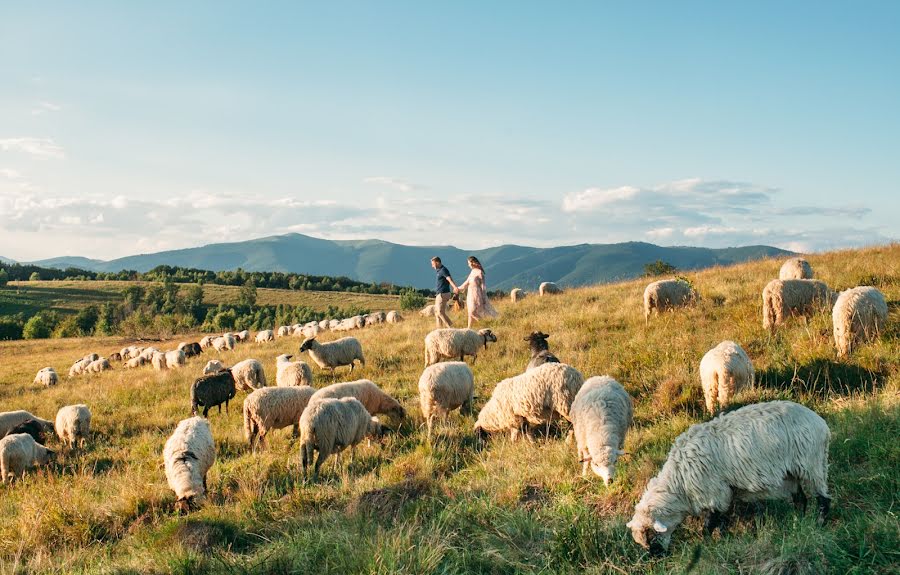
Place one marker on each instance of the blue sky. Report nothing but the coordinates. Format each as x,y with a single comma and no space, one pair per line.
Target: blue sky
128,128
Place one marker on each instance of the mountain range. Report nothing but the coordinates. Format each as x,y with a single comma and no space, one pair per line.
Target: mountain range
506,266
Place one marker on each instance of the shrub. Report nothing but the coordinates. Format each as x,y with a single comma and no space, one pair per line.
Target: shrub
658,268
40,326
411,299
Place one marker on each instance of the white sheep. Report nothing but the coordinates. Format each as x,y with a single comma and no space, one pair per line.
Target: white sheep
135,362
393,316
20,452
372,397
175,359
188,455
271,408
248,375
548,288
73,424
130,351
516,295
444,387
767,450
205,342
427,311
329,426
343,351
224,342
664,295
795,269
859,314
47,377
147,353
323,325
9,420
284,331
725,370
213,366
782,298
537,397
333,324
290,373
97,366
601,415
242,336
454,343
79,366
375,318
265,336
158,361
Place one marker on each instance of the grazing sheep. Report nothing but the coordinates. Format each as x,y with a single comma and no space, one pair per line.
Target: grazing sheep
284,331
213,366
781,298
175,359
393,317
453,343
47,377
767,450
601,415
265,335
79,366
664,295
135,362
130,351
444,387
271,408
548,288
343,351
725,370
859,314
9,420
291,373
795,269
329,426
98,365
147,353
307,331
212,390
73,423
158,361
20,452
540,351
323,325
333,324
32,427
537,397
516,295
115,356
188,455
371,396
375,318
190,349
249,375
427,311
224,342
242,336
206,341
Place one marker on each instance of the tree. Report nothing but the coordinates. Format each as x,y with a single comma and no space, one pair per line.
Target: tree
34,277
247,295
658,268
411,299
40,326
4,277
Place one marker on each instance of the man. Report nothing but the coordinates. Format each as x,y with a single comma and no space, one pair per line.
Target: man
442,287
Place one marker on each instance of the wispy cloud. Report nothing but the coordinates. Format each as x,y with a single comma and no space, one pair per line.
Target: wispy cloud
43,147
398,184
10,174
43,107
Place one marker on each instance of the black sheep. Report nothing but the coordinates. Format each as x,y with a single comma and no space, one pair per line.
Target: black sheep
540,351
212,390
33,428
192,349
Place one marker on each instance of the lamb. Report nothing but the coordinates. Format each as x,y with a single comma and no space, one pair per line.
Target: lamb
372,397
265,335
333,324
158,361
601,415
537,397
292,373
725,370
47,377
175,359
188,455
781,298
859,314
444,387
664,295
284,331
224,342
271,408
73,423
393,317
135,362
548,288
323,325
9,420
427,311
307,331
206,341
329,426
242,336
343,351
98,366
213,366
540,351
452,343
249,375
20,452
762,451
516,295
115,356
212,390
795,269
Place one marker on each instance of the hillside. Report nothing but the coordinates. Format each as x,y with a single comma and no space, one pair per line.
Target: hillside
379,261
455,506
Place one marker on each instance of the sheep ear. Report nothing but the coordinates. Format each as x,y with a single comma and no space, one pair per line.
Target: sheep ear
659,527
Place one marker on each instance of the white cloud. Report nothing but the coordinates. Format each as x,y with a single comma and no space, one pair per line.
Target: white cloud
42,107
394,183
10,174
595,198
43,147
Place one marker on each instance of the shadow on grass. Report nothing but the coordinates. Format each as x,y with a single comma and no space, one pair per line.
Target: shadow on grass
206,535
821,378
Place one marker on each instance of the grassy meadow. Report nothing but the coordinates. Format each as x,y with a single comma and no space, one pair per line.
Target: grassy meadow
453,507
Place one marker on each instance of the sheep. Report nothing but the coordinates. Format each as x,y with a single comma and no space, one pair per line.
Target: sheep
343,351
284,331
516,295
265,336
427,311
452,343
601,415
762,451
271,408
190,349
548,288
188,455
9,420
781,298
795,269
130,351
20,452
73,423
115,356
147,353
540,351
242,336
47,377
323,325
79,366
375,318
134,362
537,397
249,375
158,361
444,387
224,342
333,324
206,341
212,390
98,366
859,314
307,331
292,373
175,359
33,428
725,370
664,295
371,396
213,366
393,316
329,426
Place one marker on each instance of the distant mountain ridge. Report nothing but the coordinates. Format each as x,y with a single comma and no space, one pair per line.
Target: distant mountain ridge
506,266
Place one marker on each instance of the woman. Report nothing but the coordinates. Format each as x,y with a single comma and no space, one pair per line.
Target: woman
477,303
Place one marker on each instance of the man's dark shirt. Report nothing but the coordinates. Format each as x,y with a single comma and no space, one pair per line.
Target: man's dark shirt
442,285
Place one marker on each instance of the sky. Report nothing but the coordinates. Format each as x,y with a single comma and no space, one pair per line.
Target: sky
130,127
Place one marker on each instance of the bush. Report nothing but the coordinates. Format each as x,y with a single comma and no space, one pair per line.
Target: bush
4,277
658,268
11,328
34,277
411,299
40,326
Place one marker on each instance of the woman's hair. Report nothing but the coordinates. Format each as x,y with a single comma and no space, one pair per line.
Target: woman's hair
475,263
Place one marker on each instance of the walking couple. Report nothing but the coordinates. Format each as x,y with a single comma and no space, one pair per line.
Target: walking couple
478,305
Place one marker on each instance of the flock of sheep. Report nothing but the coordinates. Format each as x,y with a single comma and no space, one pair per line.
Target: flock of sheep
775,449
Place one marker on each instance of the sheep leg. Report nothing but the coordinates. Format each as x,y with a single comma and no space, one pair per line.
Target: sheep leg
296,432
799,499
319,460
715,520
206,410
824,506
351,367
